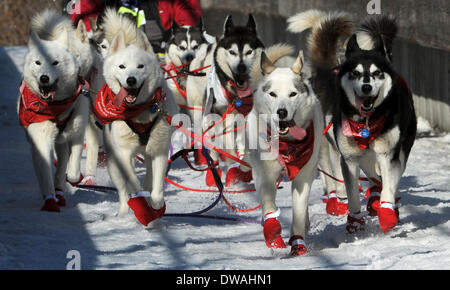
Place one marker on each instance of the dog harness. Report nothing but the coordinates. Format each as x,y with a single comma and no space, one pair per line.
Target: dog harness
32,109
363,133
110,107
294,154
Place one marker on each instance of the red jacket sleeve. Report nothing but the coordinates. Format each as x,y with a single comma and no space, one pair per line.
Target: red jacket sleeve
84,9
184,12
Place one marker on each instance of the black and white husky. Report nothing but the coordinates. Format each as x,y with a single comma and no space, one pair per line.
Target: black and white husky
226,84
182,48
372,112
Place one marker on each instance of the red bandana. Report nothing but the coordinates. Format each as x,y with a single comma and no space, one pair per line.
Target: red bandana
32,109
353,129
244,97
107,110
294,154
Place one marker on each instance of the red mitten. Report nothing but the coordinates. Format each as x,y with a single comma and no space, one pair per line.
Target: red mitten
50,204
298,246
210,177
199,159
143,212
272,231
236,175
387,217
336,206
76,182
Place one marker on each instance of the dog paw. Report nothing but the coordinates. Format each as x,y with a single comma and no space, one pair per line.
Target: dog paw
75,183
387,217
50,204
143,212
355,222
210,177
336,206
272,232
59,194
298,246
236,175
88,180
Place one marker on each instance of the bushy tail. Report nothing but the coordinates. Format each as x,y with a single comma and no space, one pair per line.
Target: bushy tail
113,23
273,53
49,23
323,41
304,20
377,28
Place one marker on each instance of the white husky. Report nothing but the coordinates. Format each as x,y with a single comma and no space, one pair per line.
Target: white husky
131,105
51,107
289,140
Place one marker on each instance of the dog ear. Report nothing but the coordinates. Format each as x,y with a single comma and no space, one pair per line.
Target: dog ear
117,43
251,23
81,32
93,24
175,27
298,64
267,66
379,46
229,25
142,41
63,37
352,46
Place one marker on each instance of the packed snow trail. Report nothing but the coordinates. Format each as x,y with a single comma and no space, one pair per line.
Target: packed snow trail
32,239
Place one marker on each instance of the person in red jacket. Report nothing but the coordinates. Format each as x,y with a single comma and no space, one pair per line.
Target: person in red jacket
85,9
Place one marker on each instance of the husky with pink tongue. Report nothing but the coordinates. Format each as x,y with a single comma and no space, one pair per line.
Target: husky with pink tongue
133,106
284,132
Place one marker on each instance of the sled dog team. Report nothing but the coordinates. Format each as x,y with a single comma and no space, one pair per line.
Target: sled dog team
343,109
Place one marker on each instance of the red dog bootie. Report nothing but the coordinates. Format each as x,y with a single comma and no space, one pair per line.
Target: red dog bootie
236,175
101,157
89,180
335,205
50,204
210,177
298,246
199,159
324,197
59,194
143,212
272,231
355,222
76,182
387,216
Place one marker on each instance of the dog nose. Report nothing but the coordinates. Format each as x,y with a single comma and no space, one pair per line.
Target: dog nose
131,81
241,68
282,113
189,57
44,79
366,88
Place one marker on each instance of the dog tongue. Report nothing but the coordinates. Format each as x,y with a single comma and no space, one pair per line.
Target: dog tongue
297,132
121,95
359,101
245,91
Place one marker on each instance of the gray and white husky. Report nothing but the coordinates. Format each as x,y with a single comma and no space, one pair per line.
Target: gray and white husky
132,67
289,139
371,109
51,106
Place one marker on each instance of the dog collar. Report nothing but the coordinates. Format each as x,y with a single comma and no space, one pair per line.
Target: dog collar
363,133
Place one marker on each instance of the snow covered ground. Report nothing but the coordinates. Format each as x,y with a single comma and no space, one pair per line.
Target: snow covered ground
31,239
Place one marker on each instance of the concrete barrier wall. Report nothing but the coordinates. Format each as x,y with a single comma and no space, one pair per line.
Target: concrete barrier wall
421,52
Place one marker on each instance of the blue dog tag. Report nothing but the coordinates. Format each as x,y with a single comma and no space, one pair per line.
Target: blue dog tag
238,103
154,108
365,133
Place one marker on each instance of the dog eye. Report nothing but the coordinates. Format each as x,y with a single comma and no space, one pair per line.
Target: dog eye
140,66
182,47
272,94
232,52
55,62
249,52
293,94
356,73
195,47
376,73
103,46
121,66
37,62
